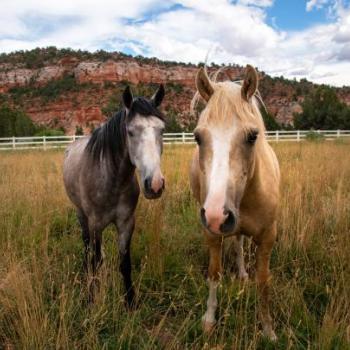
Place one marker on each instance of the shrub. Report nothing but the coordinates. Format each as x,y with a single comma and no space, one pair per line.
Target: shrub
51,91
15,123
314,136
54,88
177,88
171,124
79,130
323,110
113,104
49,132
269,120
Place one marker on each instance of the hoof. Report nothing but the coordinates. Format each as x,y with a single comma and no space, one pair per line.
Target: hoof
208,327
270,334
131,306
243,276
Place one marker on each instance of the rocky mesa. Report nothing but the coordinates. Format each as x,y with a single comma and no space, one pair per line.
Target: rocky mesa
65,88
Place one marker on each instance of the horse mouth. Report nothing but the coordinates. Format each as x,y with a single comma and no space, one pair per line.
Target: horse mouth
152,195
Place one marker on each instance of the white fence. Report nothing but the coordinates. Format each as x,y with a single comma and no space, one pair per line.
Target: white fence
48,142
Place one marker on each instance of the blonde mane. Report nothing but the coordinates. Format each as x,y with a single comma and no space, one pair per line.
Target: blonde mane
226,104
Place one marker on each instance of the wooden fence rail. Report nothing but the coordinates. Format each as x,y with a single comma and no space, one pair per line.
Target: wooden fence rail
49,142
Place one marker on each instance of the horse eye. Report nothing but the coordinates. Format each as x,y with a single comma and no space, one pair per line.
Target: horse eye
130,133
252,136
197,139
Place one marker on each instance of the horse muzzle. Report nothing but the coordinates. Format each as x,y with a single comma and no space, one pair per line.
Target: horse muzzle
222,222
153,187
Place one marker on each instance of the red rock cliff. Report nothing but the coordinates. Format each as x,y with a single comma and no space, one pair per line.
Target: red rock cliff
83,107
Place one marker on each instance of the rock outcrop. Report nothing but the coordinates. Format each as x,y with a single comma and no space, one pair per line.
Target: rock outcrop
83,107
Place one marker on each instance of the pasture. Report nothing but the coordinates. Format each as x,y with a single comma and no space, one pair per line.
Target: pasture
43,291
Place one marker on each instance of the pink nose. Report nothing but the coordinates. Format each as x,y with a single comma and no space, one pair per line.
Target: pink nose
214,218
218,221
157,183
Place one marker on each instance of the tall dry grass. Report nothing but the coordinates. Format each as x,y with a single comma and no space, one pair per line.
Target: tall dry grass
43,291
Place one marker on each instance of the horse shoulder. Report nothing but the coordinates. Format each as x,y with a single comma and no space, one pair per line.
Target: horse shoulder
259,205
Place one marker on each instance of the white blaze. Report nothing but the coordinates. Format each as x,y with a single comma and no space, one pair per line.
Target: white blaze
147,158
218,179
148,149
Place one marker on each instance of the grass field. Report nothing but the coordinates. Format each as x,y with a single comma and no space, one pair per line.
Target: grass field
43,291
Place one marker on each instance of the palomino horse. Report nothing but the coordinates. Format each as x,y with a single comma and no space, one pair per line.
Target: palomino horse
99,176
235,178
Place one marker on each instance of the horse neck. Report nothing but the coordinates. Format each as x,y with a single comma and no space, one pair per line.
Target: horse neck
123,168
255,178
115,159
125,171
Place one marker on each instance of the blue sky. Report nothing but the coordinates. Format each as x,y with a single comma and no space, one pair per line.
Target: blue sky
292,15
294,38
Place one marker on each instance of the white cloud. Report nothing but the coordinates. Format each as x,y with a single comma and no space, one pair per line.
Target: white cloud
259,3
188,33
311,4
232,32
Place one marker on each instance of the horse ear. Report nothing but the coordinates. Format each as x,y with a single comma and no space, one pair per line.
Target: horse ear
250,83
127,97
203,84
157,98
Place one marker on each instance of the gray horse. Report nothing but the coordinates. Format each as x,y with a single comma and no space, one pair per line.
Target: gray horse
100,180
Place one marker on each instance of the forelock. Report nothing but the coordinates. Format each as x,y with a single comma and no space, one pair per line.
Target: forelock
144,108
226,104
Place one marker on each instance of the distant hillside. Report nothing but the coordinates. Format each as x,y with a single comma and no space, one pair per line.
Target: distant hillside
69,89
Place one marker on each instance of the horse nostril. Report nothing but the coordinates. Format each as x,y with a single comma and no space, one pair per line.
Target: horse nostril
163,186
203,218
229,224
147,184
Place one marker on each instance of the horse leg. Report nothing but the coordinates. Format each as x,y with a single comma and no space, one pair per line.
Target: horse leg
238,246
95,250
125,229
85,235
263,279
214,275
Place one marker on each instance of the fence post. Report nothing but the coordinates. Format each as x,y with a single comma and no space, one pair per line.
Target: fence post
73,137
44,142
298,135
13,142
338,133
277,135
183,137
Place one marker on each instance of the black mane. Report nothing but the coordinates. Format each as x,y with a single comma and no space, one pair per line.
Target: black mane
108,141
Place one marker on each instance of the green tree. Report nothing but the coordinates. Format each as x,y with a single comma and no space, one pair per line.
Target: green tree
322,109
15,123
79,130
269,120
113,105
171,123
